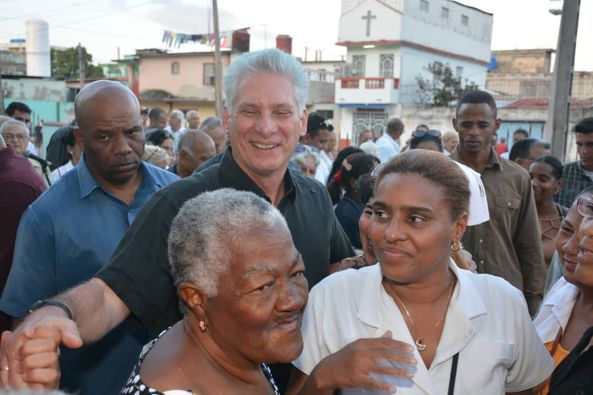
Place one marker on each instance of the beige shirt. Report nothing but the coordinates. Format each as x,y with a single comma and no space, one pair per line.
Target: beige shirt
509,245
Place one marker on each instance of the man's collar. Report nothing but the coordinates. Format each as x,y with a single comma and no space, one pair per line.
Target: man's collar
493,160
88,183
231,175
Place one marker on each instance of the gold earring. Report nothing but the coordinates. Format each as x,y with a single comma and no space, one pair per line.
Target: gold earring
202,326
456,246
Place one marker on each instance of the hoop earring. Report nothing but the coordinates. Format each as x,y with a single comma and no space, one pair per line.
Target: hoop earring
456,246
202,326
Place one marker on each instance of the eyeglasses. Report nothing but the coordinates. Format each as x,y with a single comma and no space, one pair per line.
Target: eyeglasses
421,133
585,206
377,170
10,136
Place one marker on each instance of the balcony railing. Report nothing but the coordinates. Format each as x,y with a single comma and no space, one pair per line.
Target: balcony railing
369,82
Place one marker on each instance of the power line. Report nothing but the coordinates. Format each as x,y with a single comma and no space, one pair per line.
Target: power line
44,13
86,19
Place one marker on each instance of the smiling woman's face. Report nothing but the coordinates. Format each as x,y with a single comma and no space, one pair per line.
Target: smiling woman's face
411,228
258,311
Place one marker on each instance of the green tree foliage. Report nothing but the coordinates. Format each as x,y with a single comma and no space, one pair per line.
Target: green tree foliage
443,88
64,64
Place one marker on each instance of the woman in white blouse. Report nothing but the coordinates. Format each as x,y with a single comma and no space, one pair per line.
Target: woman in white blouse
415,316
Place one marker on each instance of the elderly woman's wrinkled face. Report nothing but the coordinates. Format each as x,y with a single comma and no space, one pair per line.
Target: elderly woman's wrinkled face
411,228
567,243
258,311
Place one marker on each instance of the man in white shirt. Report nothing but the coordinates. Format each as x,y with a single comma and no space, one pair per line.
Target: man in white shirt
387,145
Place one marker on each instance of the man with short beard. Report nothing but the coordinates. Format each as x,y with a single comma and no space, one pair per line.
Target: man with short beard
69,232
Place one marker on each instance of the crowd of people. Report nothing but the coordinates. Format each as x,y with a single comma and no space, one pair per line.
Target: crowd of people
154,253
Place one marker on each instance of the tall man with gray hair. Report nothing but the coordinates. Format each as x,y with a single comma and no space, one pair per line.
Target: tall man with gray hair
265,116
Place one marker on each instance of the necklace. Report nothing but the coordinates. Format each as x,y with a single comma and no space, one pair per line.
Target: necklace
420,345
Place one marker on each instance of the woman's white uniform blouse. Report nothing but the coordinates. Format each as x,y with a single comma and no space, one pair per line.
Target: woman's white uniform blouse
487,324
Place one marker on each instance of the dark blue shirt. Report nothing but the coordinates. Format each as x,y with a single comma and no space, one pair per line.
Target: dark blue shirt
348,212
64,238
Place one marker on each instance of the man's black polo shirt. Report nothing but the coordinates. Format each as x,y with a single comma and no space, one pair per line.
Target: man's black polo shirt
139,269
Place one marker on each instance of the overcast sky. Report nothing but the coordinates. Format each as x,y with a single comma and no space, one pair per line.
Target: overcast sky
103,26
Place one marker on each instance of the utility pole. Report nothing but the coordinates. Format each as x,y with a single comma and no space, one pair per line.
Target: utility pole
80,66
217,61
559,106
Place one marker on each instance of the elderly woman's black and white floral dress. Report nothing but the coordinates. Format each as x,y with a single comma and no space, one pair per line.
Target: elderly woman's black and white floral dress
135,386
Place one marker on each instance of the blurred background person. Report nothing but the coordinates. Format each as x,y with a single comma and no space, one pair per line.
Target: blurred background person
450,142
319,131
501,146
333,146
175,126
193,119
214,128
364,136
56,152
350,207
156,156
306,162
388,144
22,112
518,135
336,193
525,151
73,151
546,174
428,140
157,119
195,148
16,133
164,139
144,115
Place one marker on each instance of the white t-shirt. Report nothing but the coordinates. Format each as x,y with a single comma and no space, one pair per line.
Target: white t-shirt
487,323
387,148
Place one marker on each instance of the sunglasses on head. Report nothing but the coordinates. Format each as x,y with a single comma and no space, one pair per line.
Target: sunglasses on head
421,133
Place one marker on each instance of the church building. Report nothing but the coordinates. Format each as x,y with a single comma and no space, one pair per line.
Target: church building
391,42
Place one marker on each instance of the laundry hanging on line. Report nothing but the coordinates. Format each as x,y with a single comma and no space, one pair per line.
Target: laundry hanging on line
174,39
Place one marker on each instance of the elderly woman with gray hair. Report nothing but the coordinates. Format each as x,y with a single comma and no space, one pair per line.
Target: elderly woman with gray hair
243,292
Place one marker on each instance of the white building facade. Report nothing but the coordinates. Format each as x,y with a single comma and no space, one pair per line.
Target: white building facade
391,42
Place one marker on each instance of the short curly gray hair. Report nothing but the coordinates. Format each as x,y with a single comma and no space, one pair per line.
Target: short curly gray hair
272,60
209,228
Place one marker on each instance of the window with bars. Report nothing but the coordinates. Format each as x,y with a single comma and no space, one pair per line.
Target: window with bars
386,65
358,65
424,5
208,79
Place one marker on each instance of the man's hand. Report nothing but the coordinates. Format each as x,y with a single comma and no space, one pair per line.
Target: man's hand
26,359
364,360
